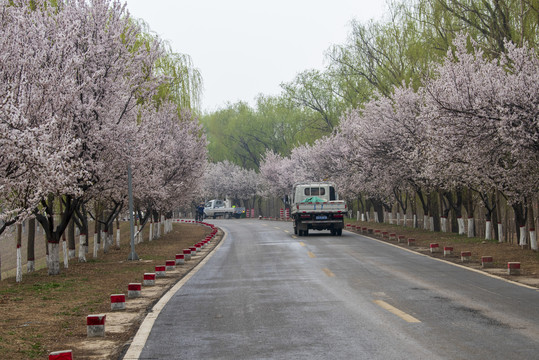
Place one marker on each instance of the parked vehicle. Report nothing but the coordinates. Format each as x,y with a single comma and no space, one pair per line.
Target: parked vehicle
317,206
217,208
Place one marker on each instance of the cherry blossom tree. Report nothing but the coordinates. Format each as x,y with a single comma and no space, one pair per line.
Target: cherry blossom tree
484,117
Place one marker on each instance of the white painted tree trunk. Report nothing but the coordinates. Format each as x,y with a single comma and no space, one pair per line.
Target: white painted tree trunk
425,222
460,222
150,235
82,248
106,241
398,218
54,259
158,229
358,215
471,227
431,223
522,241
404,220
390,217
18,277
376,216
533,239
500,233
64,250
118,238
71,253
363,217
96,246
488,230
443,224
368,216
30,266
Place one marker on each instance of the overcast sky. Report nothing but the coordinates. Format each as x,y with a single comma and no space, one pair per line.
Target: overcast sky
248,47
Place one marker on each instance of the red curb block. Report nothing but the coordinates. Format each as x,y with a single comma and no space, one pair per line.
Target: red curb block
465,256
117,302
160,271
133,290
61,355
486,261
180,259
95,325
149,279
513,268
170,265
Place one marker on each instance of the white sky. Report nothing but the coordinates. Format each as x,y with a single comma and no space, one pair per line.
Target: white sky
248,47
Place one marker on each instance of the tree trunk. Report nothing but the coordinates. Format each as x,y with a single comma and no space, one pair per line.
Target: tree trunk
18,277
96,245
470,211
520,222
83,246
71,238
45,215
499,217
64,250
117,233
54,258
531,226
30,250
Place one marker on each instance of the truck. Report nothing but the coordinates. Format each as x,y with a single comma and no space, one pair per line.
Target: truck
317,206
217,208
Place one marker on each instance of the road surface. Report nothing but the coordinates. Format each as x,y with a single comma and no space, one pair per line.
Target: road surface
267,294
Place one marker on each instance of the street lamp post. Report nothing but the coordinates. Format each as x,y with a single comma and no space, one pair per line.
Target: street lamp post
132,255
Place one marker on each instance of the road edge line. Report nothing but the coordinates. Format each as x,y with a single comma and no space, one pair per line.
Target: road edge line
451,263
139,341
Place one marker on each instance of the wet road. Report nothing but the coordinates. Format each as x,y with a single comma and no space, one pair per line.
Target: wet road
266,294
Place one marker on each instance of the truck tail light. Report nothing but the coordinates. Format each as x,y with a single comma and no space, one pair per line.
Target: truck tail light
338,216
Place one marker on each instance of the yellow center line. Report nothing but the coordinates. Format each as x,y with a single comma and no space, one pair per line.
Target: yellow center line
395,311
286,231
294,237
311,255
302,243
328,272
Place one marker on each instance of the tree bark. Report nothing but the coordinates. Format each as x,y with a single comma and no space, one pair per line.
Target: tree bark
18,277
531,227
30,250
71,238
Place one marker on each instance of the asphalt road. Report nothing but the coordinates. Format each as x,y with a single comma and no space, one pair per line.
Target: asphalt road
266,294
